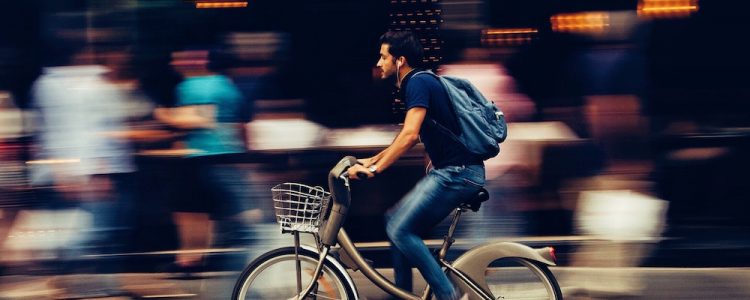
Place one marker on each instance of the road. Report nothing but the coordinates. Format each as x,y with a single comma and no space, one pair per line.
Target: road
577,283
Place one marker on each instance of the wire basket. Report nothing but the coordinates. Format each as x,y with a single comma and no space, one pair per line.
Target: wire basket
299,207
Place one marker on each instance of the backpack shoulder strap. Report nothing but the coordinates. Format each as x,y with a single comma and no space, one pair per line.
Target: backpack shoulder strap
434,123
427,72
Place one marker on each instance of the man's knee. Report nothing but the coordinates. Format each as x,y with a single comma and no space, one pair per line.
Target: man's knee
393,229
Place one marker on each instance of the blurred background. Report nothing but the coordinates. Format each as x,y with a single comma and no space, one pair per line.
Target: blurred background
628,120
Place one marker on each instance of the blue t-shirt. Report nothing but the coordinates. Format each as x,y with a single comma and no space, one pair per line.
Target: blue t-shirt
219,91
424,90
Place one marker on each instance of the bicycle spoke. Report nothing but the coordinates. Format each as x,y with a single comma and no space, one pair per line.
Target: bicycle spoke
269,278
511,279
324,297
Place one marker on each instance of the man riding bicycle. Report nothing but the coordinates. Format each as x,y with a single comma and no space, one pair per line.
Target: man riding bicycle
454,174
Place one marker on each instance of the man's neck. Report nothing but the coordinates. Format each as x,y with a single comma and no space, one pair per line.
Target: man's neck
402,72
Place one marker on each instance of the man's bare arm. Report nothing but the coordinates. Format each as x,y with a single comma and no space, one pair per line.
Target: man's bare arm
407,138
188,117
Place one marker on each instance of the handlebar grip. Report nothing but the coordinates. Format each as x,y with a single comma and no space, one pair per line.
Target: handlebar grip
352,160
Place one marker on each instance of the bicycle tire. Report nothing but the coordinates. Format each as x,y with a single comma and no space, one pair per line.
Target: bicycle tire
511,278
271,276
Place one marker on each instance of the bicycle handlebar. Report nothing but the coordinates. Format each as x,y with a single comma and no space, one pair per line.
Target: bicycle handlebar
338,184
360,175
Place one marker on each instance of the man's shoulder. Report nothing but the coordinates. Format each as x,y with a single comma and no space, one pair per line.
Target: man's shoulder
425,76
423,80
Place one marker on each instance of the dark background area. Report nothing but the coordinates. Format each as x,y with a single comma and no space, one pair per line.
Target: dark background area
684,69
694,68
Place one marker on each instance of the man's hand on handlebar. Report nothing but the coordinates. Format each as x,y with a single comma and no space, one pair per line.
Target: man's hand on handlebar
359,172
366,162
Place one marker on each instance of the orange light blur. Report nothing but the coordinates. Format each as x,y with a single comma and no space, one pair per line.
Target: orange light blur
507,36
509,31
666,8
230,4
583,22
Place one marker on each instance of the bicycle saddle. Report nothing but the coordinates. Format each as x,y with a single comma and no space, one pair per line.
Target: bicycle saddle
475,202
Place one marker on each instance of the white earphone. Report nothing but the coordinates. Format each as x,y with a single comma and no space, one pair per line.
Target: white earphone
398,74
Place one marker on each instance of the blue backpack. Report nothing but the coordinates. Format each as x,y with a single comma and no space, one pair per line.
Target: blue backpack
482,124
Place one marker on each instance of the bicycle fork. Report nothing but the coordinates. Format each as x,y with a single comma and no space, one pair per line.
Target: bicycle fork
318,269
297,263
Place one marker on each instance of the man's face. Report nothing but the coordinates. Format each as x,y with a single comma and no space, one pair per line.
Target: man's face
386,63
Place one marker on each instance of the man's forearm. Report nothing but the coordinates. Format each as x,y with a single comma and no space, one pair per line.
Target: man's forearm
403,142
191,122
373,160
406,138
182,121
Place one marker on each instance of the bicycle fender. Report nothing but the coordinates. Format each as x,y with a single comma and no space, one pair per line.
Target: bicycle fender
339,267
474,262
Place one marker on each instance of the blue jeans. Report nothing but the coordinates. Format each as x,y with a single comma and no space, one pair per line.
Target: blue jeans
428,203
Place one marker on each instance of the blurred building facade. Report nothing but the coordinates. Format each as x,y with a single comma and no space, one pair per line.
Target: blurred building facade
646,96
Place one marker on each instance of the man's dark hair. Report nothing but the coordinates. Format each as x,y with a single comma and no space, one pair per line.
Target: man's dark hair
403,43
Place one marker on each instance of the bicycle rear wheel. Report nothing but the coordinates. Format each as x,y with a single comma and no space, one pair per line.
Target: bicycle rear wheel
273,276
513,278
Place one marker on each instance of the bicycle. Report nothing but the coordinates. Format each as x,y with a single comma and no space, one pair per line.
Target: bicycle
303,209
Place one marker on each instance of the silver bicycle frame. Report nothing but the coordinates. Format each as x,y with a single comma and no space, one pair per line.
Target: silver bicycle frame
332,227
351,252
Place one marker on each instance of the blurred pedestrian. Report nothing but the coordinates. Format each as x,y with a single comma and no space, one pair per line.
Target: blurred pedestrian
86,168
209,111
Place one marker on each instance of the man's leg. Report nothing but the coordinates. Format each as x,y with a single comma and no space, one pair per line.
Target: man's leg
401,269
431,200
401,265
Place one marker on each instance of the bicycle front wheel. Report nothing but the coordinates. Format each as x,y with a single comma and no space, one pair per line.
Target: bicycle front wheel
513,278
273,276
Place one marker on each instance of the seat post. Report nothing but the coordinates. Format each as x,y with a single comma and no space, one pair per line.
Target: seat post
448,239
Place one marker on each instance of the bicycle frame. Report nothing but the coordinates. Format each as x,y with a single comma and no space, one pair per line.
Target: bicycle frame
332,233
353,255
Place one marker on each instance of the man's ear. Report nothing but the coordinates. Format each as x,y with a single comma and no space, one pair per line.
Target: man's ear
400,61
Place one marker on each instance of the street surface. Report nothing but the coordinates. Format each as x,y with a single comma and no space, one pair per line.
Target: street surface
602,283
